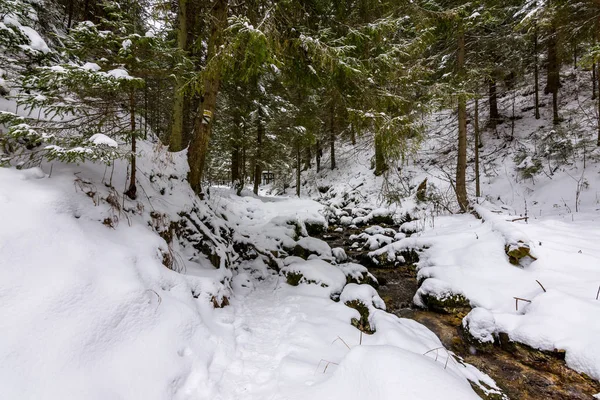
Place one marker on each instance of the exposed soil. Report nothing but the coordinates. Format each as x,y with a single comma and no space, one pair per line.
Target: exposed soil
521,372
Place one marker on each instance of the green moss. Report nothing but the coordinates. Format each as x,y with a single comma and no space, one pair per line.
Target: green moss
361,323
517,252
301,252
448,305
294,278
366,279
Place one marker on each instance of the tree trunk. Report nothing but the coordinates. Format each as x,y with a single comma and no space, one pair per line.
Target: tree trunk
235,165
244,162
536,73
461,164
594,84
380,164
257,161
319,155
493,96
307,160
476,129
204,119
553,72
70,12
177,123
332,135
298,165
235,149
132,190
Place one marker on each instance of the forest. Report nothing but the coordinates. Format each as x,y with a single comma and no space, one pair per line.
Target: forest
251,199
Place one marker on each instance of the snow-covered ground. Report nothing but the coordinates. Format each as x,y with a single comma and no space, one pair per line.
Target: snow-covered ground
560,288
88,310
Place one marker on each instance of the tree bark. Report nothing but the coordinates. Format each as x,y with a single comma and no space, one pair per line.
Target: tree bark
332,135
493,96
553,72
298,165
202,126
132,190
70,13
476,129
257,161
307,160
461,164
594,83
380,163
235,149
318,155
536,73
177,123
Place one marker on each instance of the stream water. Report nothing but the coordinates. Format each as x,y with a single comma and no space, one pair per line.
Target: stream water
521,372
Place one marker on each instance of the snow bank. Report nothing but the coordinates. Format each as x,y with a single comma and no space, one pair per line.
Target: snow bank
390,373
318,272
87,311
363,293
468,257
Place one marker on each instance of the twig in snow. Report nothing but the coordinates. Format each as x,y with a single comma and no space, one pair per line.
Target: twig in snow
361,332
519,219
542,286
517,301
598,294
326,365
339,338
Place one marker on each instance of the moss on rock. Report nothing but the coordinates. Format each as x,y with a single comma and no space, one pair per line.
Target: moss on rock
450,304
361,323
516,252
293,278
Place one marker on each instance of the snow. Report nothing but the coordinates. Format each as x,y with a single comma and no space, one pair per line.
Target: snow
81,305
364,293
36,42
339,254
320,273
381,372
356,271
89,66
100,139
467,257
481,324
317,246
119,73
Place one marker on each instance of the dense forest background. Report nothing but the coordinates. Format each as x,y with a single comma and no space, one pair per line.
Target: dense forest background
258,86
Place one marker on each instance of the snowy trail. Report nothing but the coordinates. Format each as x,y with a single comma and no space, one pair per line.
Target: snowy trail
261,321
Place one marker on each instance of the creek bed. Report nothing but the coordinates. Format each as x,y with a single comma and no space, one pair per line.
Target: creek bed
523,373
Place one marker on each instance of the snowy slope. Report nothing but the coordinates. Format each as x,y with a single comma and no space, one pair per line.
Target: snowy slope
466,256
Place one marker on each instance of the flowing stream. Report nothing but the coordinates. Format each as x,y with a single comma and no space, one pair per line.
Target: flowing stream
521,372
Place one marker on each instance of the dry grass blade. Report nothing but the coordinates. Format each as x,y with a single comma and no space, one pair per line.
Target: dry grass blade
343,341
542,286
517,299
